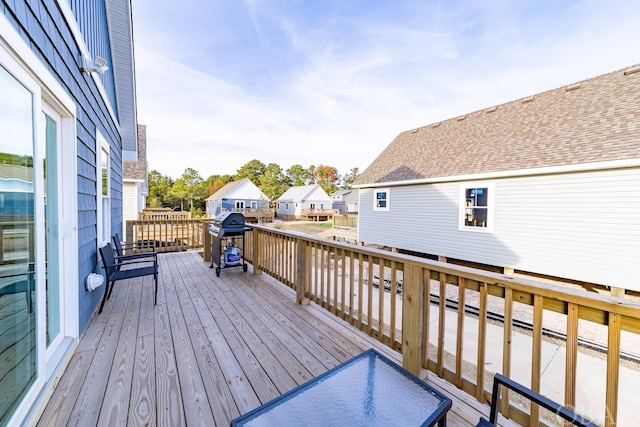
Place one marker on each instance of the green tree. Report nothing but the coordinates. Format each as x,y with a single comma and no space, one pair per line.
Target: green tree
296,176
159,189
188,188
216,182
325,176
349,178
274,182
254,170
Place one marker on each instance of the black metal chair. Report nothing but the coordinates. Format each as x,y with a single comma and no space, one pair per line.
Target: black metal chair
124,251
114,271
564,412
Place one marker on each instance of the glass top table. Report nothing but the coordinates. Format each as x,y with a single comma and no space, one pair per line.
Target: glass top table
368,390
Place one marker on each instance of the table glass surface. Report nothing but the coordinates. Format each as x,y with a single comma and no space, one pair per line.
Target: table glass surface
365,391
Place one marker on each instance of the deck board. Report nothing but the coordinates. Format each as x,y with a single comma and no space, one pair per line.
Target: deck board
213,348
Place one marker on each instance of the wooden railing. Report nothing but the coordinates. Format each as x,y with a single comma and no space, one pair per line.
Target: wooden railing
162,215
319,212
168,235
345,220
423,301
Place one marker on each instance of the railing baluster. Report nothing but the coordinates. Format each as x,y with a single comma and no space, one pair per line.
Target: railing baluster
442,307
334,281
506,347
426,307
393,295
482,340
460,334
613,369
381,282
536,355
360,288
571,362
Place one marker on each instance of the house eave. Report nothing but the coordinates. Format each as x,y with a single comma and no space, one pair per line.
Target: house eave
553,170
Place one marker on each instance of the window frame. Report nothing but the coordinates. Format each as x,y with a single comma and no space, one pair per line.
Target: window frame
103,154
376,204
490,188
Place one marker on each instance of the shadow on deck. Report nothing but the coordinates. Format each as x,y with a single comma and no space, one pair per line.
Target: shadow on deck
212,349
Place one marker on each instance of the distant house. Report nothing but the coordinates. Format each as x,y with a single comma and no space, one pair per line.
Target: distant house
548,184
135,181
68,120
237,196
345,201
304,201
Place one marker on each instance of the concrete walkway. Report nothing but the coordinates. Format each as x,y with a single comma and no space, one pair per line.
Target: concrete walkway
591,383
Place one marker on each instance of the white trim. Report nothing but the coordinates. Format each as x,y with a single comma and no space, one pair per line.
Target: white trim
131,180
69,17
104,218
612,164
491,189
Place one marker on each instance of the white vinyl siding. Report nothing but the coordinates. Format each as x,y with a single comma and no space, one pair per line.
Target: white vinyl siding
130,203
582,226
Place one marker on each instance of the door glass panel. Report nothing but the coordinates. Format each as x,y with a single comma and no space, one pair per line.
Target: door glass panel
17,244
51,225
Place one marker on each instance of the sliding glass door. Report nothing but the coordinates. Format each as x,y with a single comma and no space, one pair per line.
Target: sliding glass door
18,290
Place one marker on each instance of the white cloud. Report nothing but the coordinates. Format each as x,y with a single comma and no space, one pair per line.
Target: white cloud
346,87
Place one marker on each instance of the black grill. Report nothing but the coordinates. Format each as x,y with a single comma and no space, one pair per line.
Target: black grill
227,235
228,224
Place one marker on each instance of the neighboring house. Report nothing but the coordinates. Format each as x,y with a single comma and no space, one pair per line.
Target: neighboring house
67,115
297,202
135,182
549,184
345,201
239,196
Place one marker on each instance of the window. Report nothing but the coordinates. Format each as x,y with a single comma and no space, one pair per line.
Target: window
477,207
239,204
381,199
104,190
254,204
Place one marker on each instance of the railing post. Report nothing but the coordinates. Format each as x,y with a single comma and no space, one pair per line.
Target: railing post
301,264
412,318
129,232
256,251
206,241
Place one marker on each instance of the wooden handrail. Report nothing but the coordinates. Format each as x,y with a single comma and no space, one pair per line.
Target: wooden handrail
347,280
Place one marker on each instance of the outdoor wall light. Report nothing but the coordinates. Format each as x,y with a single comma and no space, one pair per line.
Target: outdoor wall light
98,65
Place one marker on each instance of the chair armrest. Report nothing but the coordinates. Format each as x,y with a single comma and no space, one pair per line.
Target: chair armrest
132,262
140,255
534,397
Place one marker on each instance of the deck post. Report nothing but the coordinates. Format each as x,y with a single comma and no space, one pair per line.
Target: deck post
206,241
129,232
412,318
301,263
256,252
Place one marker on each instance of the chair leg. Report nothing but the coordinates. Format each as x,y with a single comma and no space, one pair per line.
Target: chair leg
155,298
104,297
111,289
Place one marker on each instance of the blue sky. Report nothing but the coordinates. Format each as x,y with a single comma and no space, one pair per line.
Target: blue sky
333,82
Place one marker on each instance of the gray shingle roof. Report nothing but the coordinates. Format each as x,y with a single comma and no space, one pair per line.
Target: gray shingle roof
591,121
218,195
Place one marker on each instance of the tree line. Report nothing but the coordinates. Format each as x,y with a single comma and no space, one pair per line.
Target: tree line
190,190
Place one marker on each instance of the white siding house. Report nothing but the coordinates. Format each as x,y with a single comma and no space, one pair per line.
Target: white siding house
296,200
548,184
241,196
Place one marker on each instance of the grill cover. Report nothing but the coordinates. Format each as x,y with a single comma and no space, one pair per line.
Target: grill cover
228,224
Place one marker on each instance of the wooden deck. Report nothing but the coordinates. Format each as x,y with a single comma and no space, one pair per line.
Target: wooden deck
212,349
